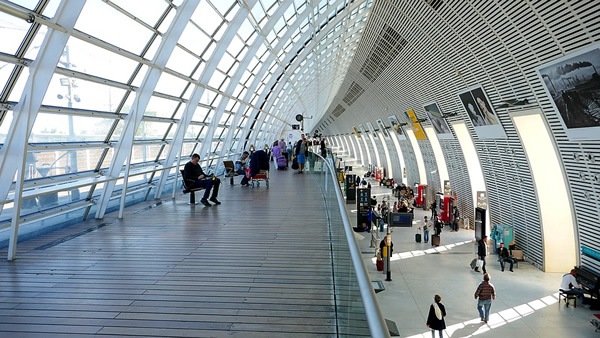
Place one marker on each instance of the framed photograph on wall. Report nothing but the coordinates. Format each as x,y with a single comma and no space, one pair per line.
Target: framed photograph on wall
438,122
371,129
356,133
361,128
573,85
383,129
396,124
397,127
478,107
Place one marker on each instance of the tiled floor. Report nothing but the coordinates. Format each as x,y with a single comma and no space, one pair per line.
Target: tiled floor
526,304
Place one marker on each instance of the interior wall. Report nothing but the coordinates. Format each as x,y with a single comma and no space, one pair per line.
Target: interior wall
500,47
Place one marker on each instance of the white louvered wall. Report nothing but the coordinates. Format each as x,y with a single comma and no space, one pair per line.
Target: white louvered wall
498,45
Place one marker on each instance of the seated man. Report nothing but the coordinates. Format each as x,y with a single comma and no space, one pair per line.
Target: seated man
504,256
193,172
570,286
240,167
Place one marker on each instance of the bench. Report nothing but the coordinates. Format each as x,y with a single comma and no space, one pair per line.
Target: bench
187,188
517,256
567,297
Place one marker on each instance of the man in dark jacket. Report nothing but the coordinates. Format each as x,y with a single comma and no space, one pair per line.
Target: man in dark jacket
482,252
192,172
504,256
301,151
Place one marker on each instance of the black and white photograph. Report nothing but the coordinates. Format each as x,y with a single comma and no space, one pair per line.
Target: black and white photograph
573,83
478,107
480,111
435,117
396,124
383,129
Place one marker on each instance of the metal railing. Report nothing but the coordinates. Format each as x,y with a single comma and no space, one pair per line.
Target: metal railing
358,312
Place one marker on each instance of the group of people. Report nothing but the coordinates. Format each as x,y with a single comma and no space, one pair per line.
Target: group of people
255,160
482,253
428,225
455,216
302,152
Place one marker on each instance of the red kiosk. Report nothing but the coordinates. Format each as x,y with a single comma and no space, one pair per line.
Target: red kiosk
445,209
421,197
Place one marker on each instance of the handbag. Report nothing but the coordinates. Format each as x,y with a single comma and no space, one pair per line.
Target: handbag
479,263
295,165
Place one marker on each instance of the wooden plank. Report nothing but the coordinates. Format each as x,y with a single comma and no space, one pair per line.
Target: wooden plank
257,265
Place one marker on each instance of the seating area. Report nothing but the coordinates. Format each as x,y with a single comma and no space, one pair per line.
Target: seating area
517,256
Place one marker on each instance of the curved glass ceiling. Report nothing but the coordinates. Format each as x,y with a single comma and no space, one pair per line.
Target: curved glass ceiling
101,99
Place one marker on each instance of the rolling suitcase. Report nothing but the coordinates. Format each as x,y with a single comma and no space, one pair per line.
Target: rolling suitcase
435,240
418,238
379,264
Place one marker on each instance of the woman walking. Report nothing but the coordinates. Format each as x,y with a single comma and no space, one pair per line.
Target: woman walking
435,319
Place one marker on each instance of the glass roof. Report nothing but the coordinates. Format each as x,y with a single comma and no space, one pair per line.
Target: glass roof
93,107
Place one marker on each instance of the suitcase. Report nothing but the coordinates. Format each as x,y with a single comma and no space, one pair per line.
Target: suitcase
435,240
379,265
418,238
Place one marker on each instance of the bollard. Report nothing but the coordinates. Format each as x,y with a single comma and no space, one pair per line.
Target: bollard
384,258
388,244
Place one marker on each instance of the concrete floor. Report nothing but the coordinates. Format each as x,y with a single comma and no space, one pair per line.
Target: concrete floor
526,303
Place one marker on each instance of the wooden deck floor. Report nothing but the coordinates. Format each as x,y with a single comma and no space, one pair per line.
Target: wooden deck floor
256,266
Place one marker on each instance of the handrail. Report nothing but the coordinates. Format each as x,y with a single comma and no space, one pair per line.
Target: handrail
375,318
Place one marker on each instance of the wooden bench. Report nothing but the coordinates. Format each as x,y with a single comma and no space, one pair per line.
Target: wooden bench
188,188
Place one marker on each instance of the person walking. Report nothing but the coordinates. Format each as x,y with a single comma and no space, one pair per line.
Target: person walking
482,252
301,150
435,319
485,294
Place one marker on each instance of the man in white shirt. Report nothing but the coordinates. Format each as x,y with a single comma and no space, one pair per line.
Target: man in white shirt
570,286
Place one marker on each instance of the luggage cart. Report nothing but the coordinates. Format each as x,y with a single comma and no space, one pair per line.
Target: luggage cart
263,175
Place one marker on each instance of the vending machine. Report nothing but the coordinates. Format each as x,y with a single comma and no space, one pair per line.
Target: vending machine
445,212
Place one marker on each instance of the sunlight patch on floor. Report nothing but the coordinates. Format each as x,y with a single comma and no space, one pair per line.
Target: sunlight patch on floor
496,319
417,253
